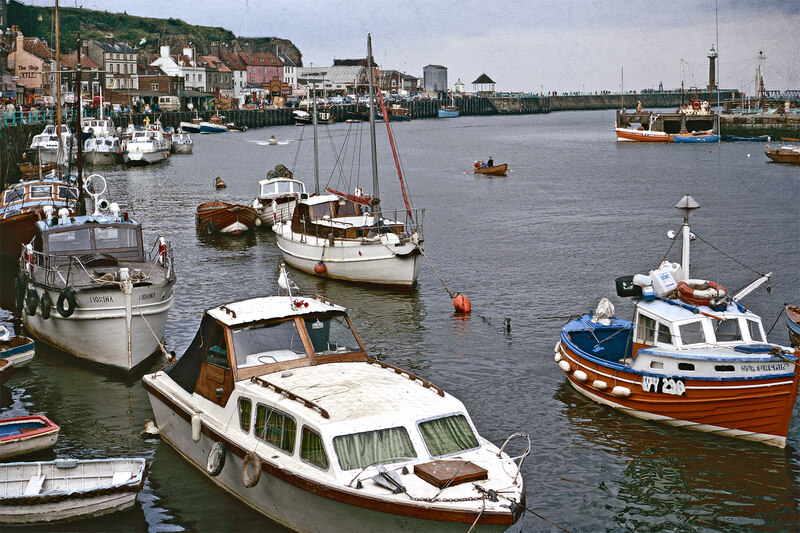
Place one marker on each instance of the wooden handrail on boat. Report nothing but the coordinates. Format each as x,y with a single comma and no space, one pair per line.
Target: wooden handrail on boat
425,383
291,396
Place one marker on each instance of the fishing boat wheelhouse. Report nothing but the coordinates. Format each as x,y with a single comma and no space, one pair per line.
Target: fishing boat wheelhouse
278,401
692,357
88,287
277,197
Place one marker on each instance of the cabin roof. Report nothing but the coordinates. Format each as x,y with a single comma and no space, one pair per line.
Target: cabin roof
94,220
677,312
272,180
268,308
321,199
363,392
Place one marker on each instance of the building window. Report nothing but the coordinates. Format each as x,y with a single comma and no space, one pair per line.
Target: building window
154,87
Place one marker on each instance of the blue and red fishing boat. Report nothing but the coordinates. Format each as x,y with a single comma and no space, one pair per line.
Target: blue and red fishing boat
692,357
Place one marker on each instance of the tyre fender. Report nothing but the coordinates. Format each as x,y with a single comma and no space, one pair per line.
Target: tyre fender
251,470
216,459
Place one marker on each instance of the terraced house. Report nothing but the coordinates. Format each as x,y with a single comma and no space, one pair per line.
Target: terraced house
118,61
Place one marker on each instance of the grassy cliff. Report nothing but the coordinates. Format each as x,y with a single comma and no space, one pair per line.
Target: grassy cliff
130,29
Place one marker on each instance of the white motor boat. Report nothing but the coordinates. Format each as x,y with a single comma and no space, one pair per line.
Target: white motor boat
277,401
190,127
90,288
103,147
146,146
277,197
46,144
182,143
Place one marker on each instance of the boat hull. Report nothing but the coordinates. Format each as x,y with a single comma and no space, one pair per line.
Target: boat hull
182,148
281,213
695,138
207,127
221,217
98,329
747,408
16,230
101,158
350,260
624,134
496,170
26,434
280,500
189,127
447,113
19,350
793,323
786,158
145,157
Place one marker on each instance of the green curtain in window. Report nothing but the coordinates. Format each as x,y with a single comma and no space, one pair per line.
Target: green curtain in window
274,429
312,450
289,432
261,420
361,449
245,410
449,434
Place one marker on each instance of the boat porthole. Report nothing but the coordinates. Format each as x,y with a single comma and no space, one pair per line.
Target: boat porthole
216,459
251,470
45,304
66,297
32,302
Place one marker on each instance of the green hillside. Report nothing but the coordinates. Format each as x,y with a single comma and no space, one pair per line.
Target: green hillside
130,29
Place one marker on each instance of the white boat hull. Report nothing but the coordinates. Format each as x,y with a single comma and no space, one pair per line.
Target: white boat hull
26,446
145,157
284,212
182,148
284,502
98,330
380,263
101,158
67,510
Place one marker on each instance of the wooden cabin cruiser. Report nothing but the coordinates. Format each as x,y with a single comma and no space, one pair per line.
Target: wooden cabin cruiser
46,144
278,402
182,143
146,146
92,290
693,357
335,236
22,205
278,196
785,154
102,147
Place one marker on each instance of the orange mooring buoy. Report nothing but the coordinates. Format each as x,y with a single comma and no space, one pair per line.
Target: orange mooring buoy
462,304
320,268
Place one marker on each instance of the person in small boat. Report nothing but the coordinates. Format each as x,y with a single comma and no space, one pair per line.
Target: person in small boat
477,165
490,162
273,138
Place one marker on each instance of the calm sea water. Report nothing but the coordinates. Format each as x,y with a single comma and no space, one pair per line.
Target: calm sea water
577,210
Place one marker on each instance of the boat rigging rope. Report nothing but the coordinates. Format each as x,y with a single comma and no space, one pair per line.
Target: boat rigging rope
729,257
297,152
479,514
785,305
449,292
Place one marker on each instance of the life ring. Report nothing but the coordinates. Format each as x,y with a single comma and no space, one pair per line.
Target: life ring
31,301
45,304
251,470
696,104
20,286
66,297
216,459
700,292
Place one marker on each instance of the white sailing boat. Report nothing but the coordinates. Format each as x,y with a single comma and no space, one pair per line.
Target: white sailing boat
349,236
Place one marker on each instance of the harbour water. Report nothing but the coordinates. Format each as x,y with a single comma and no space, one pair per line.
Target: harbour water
577,211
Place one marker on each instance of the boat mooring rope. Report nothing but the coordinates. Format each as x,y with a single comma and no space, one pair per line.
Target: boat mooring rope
785,305
449,292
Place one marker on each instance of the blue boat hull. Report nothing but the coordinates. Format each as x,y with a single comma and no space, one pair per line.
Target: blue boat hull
447,113
212,129
760,138
695,139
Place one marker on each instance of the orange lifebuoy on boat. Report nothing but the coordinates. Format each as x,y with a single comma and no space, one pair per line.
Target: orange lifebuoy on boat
700,292
696,104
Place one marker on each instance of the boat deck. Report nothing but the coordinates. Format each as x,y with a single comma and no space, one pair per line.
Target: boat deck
94,276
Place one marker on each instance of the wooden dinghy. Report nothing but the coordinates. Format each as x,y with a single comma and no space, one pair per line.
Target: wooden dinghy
68,489
30,171
496,170
793,323
17,349
26,434
223,217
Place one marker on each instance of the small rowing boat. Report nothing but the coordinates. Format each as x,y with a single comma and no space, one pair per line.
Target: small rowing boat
494,170
758,138
26,434
223,217
18,349
785,154
793,323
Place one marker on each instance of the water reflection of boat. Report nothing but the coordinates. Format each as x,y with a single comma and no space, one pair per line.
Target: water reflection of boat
91,289
293,376
693,356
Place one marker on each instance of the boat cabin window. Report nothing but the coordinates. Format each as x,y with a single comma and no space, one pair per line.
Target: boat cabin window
312,450
68,193
726,330
645,329
331,335
64,241
664,334
346,208
321,210
275,428
448,435
41,191
755,330
262,344
105,238
692,332
245,412
372,447
14,195
217,354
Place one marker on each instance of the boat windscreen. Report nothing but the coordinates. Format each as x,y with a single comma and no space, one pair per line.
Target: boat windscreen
331,334
113,237
65,241
448,435
261,344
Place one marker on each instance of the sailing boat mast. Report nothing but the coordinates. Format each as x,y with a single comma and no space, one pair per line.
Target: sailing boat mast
373,145
61,147
316,147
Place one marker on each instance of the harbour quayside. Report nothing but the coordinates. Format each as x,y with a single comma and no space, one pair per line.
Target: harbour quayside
349,236
693,357
88,287
278,402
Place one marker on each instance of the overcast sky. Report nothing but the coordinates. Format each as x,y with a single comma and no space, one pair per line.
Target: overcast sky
522,45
